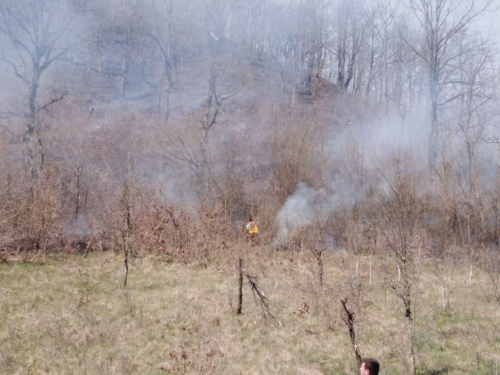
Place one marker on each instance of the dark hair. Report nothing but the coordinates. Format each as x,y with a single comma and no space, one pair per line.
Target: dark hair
372,365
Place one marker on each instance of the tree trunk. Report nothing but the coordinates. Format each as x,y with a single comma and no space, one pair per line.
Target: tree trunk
409,324
350,321
240,287
433,141
33,90
126,232
350,70
211,112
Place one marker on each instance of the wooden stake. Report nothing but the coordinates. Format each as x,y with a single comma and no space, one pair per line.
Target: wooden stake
240,287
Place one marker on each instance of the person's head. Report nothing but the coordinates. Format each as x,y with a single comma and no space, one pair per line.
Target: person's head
369,366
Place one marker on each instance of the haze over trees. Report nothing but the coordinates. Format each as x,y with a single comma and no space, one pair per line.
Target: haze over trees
158,126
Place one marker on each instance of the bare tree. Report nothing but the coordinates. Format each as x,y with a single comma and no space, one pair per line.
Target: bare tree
350,33
223,83
493,270
40,32
351,305
126,228
475,88
120,43
441,22
443,268
172,26
400,223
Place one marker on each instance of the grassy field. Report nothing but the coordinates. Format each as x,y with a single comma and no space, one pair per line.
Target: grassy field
70,314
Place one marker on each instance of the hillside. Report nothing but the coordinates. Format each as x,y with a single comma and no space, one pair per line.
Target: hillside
360,136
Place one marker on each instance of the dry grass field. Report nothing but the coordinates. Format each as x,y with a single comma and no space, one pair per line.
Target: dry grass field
70,314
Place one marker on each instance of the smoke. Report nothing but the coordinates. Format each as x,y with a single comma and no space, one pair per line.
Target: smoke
360,156
307,205
298,211
80,227
121,59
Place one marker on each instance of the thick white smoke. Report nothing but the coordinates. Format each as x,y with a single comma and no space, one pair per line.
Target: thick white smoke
298,211
349,183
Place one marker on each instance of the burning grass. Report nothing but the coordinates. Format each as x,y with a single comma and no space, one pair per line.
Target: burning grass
69,314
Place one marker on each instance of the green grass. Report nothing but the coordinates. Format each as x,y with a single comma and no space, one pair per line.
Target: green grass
71,315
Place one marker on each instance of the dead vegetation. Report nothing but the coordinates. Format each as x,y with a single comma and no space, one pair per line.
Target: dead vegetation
71,314
382,258
123,206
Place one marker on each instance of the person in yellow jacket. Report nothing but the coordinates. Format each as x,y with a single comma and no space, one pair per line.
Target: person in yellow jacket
252,230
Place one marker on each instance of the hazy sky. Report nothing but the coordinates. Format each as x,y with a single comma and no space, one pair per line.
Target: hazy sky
491,20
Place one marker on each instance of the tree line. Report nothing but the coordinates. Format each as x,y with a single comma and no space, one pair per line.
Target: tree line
239,100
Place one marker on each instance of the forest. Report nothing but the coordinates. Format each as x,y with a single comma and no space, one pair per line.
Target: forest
137,138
